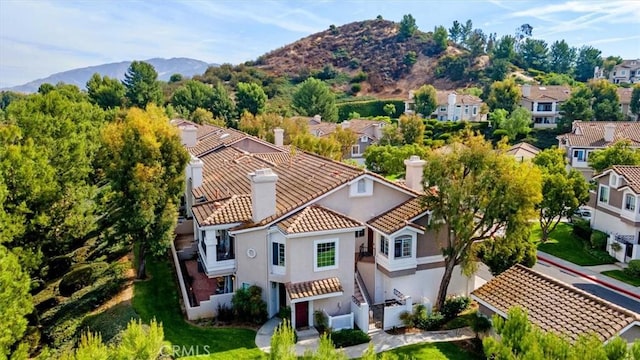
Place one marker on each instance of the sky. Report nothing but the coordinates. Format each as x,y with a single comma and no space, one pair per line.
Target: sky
42,37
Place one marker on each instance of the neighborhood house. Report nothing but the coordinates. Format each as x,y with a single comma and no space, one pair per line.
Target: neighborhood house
544,103
452,107
368,132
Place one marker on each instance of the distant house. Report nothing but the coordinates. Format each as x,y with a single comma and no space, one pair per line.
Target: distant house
556,307
452,107
544,103
368,132
617,209
624,95
626,72
588,136
523,151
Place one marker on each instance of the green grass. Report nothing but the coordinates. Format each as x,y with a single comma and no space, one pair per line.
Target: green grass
158,298
463,320
563,244
433,351
622,276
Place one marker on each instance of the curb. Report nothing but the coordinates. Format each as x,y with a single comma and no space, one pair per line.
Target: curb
592,278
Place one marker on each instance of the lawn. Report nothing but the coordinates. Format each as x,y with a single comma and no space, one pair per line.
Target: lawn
433,351
622,276
563,244
158,297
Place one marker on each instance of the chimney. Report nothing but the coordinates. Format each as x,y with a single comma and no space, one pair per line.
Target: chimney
526,90
377,131
195,171
317,118
263,193
413,176
189,135
278,136
609,132
345,124
451,99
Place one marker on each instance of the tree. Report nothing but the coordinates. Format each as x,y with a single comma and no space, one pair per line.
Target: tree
455,32
313,97
561,57
389,109
562,191
142,86
143,162
282,342
250,97
475,43
467,28
106,92
141,342
346,138
635,101
221,106
588,58
605,104
620,153
412,128
534,54
504,95
474,193
389,159
501,253
391,135
440,37
518,122
499,69
505,48
90,347
407,26
523,32
426,100
175,78
192,95
577,107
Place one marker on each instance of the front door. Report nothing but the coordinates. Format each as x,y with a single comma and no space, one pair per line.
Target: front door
302,314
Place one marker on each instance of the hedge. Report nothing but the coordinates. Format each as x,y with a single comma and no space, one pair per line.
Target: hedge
368,108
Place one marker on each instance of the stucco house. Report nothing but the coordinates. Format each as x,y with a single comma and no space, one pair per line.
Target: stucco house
628,71
617,210
588,136
544,103
555,306
314,234
624,95
368,132
523,151
452,107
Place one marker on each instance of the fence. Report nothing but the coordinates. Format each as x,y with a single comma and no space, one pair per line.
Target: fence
340,322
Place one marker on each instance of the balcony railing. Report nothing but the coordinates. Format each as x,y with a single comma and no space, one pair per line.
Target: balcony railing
626,239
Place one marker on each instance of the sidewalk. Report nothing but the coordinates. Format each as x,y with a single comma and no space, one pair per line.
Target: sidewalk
593,273
380,339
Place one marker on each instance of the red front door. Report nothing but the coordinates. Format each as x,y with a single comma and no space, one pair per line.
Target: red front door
302,314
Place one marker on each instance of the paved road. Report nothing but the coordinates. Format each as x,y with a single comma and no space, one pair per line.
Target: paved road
579,282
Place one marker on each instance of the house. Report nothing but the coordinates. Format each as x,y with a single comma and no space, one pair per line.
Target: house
588,136
628,71
624,95
523,151
544,103
368,132
617,210
314,234
452,107
555,306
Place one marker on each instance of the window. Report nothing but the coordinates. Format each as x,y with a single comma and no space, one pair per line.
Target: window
475,110
613,180
355,150
326,254
224,249
623,72
545,107
384,246
277,254
604,194
630,202
579,155
402,247
443,108
360,233
203,234
362,186
364,138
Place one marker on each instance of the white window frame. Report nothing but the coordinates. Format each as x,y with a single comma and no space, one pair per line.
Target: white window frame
355,188
336,256
357,152
364,138
613,180
384,246
406,242
443,108
601,190
630,205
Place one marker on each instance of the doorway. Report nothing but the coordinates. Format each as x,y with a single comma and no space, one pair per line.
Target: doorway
302,315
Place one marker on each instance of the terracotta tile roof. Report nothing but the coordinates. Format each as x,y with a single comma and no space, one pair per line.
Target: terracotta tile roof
591,133
234,209
322,129
461,99
214,139
203,130
320,287
523,148
316,218
358,126
631,176
549,92
553,305
398,217
624,95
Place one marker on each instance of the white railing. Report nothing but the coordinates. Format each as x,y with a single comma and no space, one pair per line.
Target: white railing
360,314
339,322
392,314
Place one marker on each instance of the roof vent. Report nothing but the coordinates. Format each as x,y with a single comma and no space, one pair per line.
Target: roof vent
224,136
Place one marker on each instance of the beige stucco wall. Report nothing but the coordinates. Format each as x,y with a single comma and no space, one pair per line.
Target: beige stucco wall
253,270
364,208
431,241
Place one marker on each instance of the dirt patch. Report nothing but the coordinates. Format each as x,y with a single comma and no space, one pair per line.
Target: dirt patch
403,331
126,295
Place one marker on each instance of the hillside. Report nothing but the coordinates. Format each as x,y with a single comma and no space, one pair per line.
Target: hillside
371,46
79,77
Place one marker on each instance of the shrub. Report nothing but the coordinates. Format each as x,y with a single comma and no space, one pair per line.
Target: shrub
598,240
454,306
355,88
369,108
634,268
80,277
225,313
582,229
359,77
58,266
432,321
249,306
285,313
349,337
499,134
320,320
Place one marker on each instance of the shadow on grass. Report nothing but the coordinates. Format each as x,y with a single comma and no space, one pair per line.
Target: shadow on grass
564,244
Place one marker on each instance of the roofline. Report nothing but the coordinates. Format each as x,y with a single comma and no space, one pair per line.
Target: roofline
318,297
624,329
489,306
320,233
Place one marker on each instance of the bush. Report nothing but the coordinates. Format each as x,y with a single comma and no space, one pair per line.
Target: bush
369,108
349,337
433,321
599,240
80,277
582,229
359,77
285,313
225,313
249,306
320,320
499,134
58,266
355,88
634,268
454,306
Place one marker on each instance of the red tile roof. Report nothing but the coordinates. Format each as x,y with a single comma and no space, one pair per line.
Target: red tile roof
591,133
549,92
398,217
308,289
316,218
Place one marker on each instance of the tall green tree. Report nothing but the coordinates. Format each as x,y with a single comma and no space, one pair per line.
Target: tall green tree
142,86
562,191
426,100
505,48
475,42
455,32
577,107
620,153
504,95
192,95
222,107
501,253
562,57
412,128
635,101
250,97
105,92
588,58
605,103
477,192
466,31
533,53
143,162
408,26
313,97
518,122
440,38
